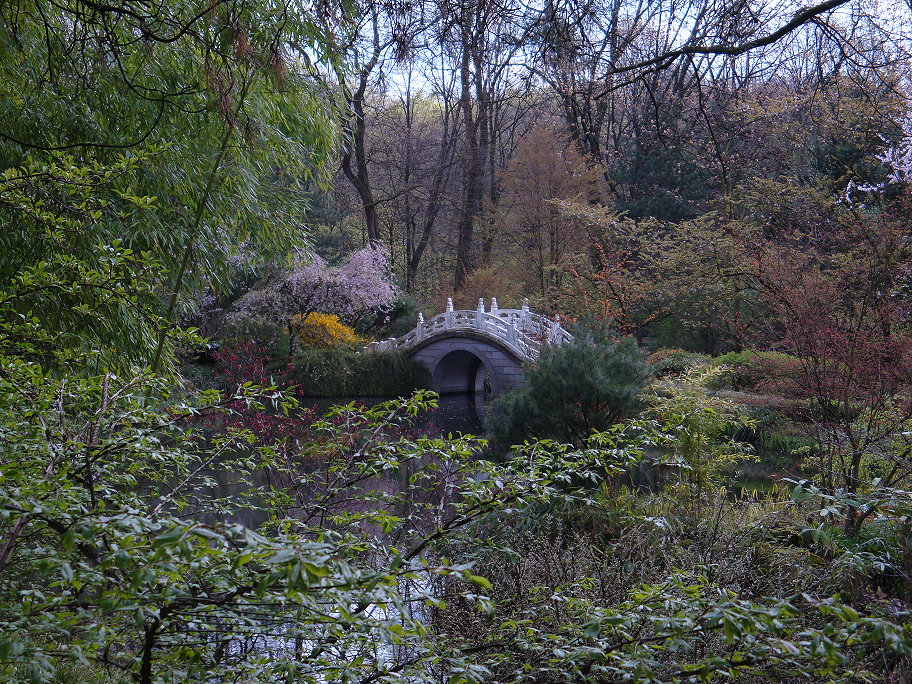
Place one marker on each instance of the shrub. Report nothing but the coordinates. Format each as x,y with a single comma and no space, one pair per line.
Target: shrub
323,330
676,361
702,424
340,372
396,322
576,388
752,369
321,372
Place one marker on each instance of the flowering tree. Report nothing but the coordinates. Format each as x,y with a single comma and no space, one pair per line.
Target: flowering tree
356,289
899,157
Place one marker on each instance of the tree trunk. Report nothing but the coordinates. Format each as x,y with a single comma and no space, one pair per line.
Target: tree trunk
471,183
435,200
354,156
357,172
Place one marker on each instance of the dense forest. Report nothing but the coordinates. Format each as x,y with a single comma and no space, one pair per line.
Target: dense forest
211,209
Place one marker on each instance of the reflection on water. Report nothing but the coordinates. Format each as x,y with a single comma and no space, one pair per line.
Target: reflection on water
455,413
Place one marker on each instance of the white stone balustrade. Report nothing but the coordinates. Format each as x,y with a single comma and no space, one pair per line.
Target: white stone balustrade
520,330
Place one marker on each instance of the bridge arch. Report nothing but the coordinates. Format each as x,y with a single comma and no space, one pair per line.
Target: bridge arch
461,370
466,361
468,351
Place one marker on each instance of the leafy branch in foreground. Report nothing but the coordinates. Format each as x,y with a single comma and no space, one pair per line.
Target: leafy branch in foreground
107,559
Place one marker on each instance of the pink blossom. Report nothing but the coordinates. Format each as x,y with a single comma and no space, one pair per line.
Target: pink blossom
899,157
358,288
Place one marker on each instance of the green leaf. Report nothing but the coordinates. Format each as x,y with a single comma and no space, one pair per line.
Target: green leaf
478,580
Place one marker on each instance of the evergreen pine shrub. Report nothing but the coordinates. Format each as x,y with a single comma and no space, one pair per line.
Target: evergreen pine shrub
576,388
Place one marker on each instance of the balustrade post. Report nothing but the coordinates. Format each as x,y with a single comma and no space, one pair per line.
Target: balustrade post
555,327
448,318
494,305
525,315
479,314
419,329
511,333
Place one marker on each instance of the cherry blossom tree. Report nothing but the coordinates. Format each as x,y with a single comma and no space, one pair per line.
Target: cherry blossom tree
899,157
353,291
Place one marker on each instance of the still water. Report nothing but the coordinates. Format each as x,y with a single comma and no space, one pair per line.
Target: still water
455,413
465,414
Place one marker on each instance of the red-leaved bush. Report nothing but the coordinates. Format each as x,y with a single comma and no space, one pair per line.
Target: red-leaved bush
839,306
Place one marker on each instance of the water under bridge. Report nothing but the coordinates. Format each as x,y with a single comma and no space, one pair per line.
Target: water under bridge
480,350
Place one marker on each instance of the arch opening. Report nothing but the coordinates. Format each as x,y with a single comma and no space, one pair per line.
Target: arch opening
461,371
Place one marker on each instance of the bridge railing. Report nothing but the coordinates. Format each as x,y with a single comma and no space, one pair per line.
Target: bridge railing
521,330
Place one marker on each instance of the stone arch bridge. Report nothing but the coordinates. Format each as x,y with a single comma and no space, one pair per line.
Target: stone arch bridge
474,351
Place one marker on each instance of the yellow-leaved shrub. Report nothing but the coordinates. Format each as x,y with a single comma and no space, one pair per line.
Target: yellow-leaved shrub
323,330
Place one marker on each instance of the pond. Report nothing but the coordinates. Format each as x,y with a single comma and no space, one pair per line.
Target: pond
455,413
465,414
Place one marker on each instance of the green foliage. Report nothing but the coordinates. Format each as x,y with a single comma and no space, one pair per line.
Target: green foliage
879,551
61,282
630,597
702,425
372,542
692,325
661,180
575,389
144,145
779,443
178,134
102,567
341,372
702,633
677,361
750,369
401,319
